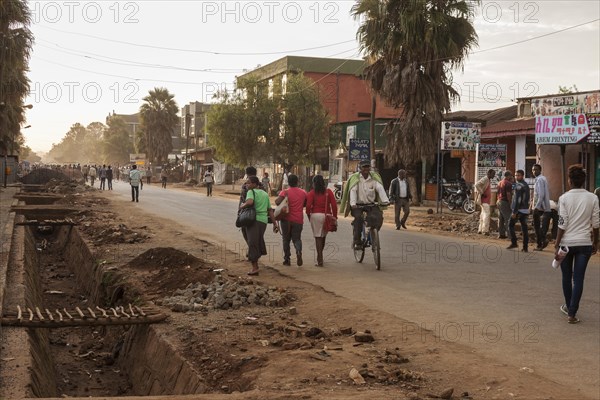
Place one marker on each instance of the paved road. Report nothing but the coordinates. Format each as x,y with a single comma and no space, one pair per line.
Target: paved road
500,303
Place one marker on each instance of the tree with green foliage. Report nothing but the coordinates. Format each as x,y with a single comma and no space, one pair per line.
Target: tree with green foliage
250,125
16,41
80,144
567,90
116,144
241,122
414,45
159,118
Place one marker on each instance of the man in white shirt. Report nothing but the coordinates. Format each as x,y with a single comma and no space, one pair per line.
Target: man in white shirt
400,194
365,187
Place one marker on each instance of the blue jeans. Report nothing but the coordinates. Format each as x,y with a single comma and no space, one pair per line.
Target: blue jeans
511,229
573,272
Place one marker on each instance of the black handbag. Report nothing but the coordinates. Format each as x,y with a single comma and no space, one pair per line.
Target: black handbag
246,216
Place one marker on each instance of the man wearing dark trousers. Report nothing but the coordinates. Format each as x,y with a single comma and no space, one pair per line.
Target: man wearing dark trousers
540,206
399,193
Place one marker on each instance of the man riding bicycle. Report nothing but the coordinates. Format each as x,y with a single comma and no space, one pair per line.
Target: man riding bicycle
363,188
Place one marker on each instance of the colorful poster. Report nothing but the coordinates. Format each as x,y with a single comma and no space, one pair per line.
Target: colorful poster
460,135
562,129
566,105
593,121
491,156
359,150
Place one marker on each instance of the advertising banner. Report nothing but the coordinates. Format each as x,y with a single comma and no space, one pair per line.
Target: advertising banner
561,129
133,158
458,135
593,121
566,105
359,150
491,156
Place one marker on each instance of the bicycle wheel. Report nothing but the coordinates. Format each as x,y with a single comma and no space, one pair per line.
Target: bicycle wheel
359,254
376,247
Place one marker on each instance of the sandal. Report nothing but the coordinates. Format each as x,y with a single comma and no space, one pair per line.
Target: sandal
573,320
252,273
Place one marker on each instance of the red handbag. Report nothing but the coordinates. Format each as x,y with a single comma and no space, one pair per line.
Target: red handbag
330,224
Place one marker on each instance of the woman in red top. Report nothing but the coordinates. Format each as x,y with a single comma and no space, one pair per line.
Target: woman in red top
319,201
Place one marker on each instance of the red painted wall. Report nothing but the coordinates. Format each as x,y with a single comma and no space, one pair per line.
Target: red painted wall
345,96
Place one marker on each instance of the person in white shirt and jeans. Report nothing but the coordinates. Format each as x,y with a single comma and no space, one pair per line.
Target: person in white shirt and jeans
578,214
540,207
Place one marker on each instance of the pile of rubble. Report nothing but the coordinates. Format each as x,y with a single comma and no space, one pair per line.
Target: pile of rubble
225,294
65,187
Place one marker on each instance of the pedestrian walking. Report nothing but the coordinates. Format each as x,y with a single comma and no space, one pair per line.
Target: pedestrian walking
503,202
319,202
134,180
255,233
92,173
209,179
102,175
520,211
484,196
399,193
109,177
578,214
149,175
85,171
292,223
266,183
540,206
163,178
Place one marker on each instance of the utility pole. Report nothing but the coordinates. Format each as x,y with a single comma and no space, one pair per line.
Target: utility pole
188,121
372,129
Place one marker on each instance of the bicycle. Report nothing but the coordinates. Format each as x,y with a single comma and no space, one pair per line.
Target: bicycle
369,238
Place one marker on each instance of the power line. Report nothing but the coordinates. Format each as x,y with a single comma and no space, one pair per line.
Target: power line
199,51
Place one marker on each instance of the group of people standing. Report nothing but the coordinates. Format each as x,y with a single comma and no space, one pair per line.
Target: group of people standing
317,203
104,173
577,219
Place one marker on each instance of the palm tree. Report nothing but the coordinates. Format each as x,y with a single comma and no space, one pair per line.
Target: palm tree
159,118
413,46
16,41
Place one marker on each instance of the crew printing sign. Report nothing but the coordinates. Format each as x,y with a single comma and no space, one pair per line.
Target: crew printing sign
561,129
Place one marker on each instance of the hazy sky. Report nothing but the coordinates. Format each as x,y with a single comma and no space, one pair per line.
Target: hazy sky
93,57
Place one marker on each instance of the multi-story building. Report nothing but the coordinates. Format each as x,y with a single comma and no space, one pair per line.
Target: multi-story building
196,149
344,94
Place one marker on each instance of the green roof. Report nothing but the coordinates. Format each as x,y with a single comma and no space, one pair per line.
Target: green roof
308,64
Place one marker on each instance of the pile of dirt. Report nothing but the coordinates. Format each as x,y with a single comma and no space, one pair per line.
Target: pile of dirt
449,221
171,269
65,186
41,176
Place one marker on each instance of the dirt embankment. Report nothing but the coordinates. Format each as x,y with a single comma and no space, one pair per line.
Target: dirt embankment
273,335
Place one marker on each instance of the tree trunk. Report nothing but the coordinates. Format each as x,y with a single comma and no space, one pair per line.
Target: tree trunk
411,173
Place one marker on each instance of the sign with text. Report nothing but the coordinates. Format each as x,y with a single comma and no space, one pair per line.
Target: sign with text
561,129
491,156
593,121
458,135
359,150
135,157
566,104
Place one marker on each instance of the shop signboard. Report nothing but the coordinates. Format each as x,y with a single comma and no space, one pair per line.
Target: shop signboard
566,105
359,150
561,129
133,158
458,135
491,156
593,121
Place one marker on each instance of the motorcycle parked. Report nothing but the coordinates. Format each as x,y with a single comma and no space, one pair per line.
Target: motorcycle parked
461,198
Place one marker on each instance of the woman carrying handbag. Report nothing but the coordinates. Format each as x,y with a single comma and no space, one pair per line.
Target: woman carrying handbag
321,209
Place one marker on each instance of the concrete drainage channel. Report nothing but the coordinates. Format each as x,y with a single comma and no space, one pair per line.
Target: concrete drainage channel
92,360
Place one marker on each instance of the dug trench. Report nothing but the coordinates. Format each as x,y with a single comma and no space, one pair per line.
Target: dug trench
225,337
